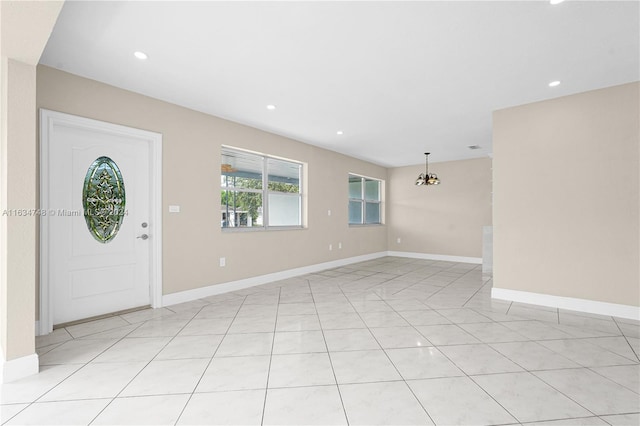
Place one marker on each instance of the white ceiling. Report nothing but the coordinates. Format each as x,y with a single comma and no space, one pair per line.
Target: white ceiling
398,78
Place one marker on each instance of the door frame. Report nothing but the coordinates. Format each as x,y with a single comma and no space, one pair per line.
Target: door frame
50,118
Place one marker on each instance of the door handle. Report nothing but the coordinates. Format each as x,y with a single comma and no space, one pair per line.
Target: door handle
143,236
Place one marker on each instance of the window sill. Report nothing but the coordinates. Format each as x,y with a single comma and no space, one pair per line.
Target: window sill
262,229
365,225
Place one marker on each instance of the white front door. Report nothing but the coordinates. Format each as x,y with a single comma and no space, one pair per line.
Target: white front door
98,217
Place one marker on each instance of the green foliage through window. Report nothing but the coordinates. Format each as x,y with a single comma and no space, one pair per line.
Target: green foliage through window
244,200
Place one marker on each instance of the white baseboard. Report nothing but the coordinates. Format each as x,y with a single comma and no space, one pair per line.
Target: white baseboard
18,368
427,256
212,290
570,303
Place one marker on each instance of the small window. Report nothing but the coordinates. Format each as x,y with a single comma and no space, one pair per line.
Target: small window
365,206
259,191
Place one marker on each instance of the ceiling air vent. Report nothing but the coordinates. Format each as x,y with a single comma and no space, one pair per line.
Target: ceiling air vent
474,146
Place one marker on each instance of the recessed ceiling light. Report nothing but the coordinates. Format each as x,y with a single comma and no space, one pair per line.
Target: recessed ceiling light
554,2
554,83
271,107
140,55
339,133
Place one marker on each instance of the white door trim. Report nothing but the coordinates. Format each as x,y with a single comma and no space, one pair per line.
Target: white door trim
47,120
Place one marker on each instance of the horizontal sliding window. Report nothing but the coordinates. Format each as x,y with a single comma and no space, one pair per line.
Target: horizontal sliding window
259,191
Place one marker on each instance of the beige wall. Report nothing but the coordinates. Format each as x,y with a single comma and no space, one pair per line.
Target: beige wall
566,187
19,231
446,219
193,241
25,28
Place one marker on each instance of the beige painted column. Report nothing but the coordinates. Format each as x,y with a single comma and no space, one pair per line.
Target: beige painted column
18,197
25,28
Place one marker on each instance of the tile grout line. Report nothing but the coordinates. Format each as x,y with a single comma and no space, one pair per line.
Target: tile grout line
525,370
473,295
636,391
562,393
391,361
149,362
326,345
273,341
456,365
210,360
349,289
83,366
470,377
626,339
509,308
74,372
431,295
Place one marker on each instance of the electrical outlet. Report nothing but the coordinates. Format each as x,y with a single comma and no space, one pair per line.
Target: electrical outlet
339,245
398,240
330,247
223,261
328,212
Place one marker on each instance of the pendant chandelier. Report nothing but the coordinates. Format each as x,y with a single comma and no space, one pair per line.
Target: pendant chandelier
427,178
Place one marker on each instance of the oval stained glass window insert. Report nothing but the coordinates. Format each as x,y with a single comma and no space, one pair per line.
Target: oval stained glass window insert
103,199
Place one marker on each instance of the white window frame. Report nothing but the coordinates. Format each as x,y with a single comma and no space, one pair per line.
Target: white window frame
363,201
265,192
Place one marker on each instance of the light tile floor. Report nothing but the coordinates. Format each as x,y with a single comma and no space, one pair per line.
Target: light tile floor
388,341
